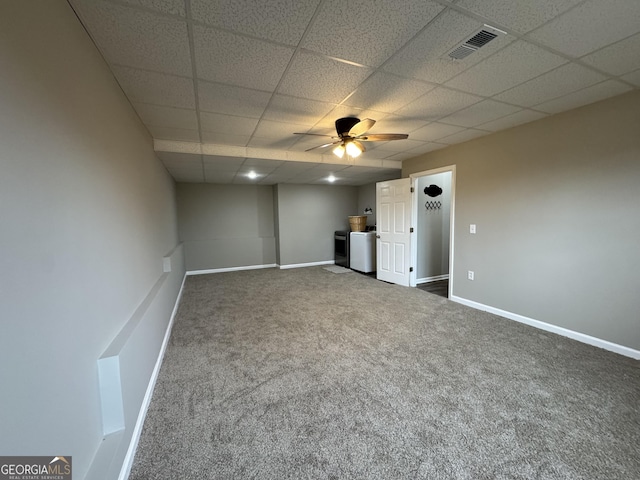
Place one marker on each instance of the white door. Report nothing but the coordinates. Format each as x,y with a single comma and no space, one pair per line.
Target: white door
393,218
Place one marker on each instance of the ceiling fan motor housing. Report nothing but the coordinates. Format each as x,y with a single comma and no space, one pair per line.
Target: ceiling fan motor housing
343,125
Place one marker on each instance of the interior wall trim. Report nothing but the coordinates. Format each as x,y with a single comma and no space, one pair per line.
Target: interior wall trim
581,337
230,269
137,429
310,264
432,279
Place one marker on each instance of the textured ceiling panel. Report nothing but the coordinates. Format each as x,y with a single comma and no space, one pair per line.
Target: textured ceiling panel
368,32
521,16
478,113
219,98
320,78
215,122
296,110
228,58
384,92
167,117
511,66
157,88
565,79
590,26
281,21
171,7
425,57
619,58
585,96
518,118
134,38
439,103
263,70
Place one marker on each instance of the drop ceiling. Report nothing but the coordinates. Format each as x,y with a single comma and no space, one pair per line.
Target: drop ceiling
222,85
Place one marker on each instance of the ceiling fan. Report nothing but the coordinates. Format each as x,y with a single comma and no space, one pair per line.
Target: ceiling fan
351,133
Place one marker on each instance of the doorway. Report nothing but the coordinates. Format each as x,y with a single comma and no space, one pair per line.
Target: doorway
433,217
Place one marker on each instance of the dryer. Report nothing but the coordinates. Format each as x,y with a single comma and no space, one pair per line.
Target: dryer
362,246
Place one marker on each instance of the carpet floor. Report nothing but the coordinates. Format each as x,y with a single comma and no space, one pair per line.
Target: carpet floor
302,373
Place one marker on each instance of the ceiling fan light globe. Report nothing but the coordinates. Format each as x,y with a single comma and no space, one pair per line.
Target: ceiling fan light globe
353,150
339,151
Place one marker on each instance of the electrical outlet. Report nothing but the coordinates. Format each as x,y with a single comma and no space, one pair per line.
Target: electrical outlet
470,275
472,228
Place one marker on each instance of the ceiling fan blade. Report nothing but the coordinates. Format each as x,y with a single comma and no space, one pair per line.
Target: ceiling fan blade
383,137
322,146
361,127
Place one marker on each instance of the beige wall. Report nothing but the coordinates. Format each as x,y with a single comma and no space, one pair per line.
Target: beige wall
308,215
556,205
87,213
224,226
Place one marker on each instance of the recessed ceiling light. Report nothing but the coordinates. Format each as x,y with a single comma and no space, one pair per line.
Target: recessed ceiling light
252,174
331,178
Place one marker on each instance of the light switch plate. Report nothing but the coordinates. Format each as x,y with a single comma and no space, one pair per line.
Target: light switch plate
472,228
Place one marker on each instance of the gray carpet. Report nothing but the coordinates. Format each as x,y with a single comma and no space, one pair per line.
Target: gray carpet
276,374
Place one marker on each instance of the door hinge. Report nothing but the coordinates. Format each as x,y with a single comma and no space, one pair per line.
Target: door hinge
411,189
411,230
411,269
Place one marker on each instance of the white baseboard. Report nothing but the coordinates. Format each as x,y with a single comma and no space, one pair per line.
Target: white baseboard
137,429
230,269
432,279
302,265
581,337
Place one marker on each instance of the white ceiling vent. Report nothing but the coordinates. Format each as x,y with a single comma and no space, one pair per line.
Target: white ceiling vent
476,41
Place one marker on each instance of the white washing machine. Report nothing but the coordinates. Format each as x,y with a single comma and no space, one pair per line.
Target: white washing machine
362,246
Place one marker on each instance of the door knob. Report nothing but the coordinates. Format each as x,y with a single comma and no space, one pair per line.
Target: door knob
377,236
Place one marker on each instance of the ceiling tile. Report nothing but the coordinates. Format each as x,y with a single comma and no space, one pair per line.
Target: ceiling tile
584,97
271,129
617,59
590,26
281,21
219,123
561,81
511,66
399,145
215,176
425,57
171,7
434,131
397,124
522,15
225,139
263,163
518,118
157,88
427,147
273,143
168,117
633,77
482,112
367,33
221,163
245,62
296,110
320,78
243,102
463,136
385,92
135,38
180,134
438,103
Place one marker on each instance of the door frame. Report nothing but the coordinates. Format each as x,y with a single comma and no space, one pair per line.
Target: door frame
414,221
